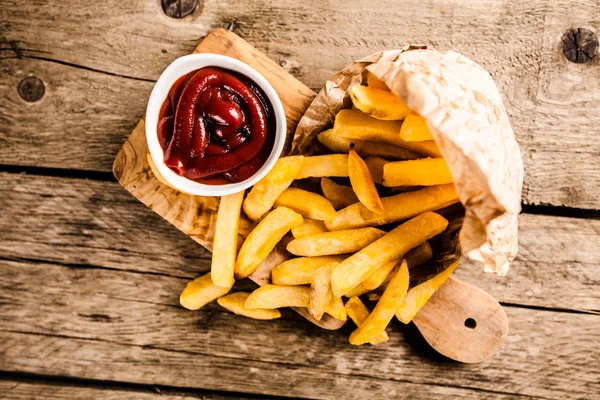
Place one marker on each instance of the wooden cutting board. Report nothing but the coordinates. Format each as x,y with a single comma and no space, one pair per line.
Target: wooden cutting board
460,321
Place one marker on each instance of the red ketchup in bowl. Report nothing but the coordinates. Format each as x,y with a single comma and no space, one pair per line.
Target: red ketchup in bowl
216,127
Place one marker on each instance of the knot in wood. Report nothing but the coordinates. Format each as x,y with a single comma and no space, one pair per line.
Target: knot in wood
579,45
31,89
179,8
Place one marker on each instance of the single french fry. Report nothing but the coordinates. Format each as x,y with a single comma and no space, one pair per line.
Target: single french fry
414,129
300,271
200,292
380,104
423,172
263,239
418,296
340,196
375,83
332,243
362,183
354,124
327,165
234,302
375,165
384,311
308,204
365,148
222,266
336,309
308,227
419,255
358,313
275,296
263,194
396,208
320,291
378,276
155,172
393,245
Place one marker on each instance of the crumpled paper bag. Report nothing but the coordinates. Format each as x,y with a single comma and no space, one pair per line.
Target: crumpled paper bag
466,116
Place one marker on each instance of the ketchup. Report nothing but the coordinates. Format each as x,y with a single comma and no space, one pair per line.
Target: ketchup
216,127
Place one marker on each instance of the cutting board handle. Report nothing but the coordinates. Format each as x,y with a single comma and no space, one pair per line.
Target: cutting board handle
462,322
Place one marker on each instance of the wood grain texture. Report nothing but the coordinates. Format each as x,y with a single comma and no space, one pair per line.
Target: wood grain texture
94,223
129,328
553,104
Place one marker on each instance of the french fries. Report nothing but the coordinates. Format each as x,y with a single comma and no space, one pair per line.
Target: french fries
384,311
394,244
336,309
302,270
419,255
420,294
327,165
200,292
234,302
396,208
362,183
308,204
380,104
378,276
340,196
424,172
358,313
222,266
320,291
308,227
375,83
365,148
333,243
354,124
414,129
263,239
375,165
263,194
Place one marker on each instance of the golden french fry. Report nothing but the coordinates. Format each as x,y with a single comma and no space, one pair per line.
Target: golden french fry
340,196
420,294
375,83
275,296
302,270
378,276
365,148
263,239
332,243
362,183
396,208
423,172
200,292
308,227
155,172
358,313
308,204
414,129
393,245
375,165
384,311
264,193
358,290
419,255
380,104
336,309
320,291
354,124
327,165
234,302
222,266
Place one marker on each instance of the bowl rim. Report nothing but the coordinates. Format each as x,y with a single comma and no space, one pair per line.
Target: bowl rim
174,71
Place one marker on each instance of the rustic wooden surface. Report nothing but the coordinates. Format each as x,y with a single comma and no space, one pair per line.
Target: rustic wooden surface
90,277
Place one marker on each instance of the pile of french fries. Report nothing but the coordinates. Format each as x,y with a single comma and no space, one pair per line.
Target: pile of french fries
364,233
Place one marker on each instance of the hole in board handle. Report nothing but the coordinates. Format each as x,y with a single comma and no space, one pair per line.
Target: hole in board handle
470,323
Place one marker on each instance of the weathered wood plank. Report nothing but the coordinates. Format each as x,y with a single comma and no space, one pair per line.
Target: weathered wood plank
33,390
76,221
119,325
553,104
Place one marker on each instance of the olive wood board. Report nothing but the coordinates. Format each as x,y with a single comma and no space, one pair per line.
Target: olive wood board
460,321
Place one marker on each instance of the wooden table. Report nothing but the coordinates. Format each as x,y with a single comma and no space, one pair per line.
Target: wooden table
91,277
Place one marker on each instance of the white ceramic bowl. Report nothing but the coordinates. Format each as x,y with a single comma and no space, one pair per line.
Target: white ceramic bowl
180,67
